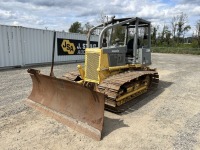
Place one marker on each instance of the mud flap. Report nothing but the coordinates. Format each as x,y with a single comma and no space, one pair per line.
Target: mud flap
69,103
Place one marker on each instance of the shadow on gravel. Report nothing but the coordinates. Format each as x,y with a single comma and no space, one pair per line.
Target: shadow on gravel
112,124
142,100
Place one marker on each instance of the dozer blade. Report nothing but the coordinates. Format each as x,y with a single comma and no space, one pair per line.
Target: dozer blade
69,103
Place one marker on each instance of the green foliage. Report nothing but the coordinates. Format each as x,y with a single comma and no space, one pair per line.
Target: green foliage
76,28
195,43
182,26
198,32
174,36
176,50
153,36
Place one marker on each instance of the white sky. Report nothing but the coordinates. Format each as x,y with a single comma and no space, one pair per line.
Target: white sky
60,14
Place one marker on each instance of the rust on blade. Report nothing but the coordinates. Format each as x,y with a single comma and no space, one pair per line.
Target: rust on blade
68,102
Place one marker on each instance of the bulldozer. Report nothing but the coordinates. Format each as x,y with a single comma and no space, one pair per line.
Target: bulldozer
114,73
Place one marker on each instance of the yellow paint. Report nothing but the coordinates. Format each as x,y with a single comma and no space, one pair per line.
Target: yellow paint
91,68
103,64
131,93
103,70
68,47
118,67
81,71
80,82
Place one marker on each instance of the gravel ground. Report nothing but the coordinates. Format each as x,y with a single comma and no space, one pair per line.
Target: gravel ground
168,118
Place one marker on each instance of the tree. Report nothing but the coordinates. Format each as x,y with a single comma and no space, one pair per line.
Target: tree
154,30
87,27
198,32
165,35
182,26
154,36
168,36
102,17
76,28
174,23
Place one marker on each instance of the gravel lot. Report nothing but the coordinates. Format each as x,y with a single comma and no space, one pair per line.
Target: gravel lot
168,118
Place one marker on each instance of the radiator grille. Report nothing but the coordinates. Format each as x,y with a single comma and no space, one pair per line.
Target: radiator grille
92,60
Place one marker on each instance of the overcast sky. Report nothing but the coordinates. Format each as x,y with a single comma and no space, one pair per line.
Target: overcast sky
60,14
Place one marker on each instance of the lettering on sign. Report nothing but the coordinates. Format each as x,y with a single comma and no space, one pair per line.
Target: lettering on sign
73,47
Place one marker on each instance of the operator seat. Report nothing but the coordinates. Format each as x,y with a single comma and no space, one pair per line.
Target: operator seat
130,47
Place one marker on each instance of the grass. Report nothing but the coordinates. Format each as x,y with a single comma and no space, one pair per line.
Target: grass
175,50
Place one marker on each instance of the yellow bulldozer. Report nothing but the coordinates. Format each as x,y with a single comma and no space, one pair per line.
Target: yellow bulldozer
113,74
